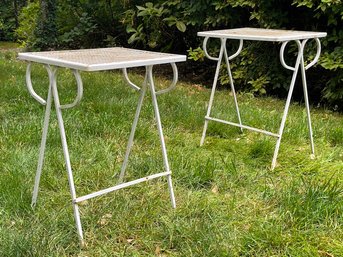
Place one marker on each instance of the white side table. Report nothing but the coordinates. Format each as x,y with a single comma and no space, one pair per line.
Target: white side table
99,60
257,34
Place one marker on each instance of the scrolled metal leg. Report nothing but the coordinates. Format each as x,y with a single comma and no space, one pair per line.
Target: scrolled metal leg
300,62
133,130
231,78
223,52
204,47
290,92
44,134
160,132
174,81
149,80
58,108
307,104
79,91
163,91
53,95
304,82
128,81
215,80
30,87
52,78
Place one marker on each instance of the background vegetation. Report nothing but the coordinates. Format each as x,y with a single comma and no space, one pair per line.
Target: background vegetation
172,26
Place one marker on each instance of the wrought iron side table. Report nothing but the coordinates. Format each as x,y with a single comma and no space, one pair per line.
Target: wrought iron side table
99,60
258,34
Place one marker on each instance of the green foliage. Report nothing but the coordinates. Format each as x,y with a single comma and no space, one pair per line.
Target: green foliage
196,54
153,25
2,26
173,25
148,31
80,35
27,23
328,14
333,91
86,24
46,29
9,11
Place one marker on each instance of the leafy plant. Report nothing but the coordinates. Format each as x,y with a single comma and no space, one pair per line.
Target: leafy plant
148,25
173,25
27,23
328,15
196,54
46,28
80,35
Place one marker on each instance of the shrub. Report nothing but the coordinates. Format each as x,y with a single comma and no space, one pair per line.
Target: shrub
45,33
27,24
173,25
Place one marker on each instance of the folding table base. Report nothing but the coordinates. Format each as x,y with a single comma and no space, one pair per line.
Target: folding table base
298,65
54,97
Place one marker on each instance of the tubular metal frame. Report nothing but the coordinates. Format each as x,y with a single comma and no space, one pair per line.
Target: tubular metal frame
54,97
298,64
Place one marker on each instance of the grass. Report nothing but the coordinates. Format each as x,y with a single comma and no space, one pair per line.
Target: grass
229,203
4,46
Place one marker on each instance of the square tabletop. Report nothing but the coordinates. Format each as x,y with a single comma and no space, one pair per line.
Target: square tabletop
101,58
259,34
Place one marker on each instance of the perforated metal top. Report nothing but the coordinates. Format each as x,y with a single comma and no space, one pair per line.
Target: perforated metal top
101,58
262,34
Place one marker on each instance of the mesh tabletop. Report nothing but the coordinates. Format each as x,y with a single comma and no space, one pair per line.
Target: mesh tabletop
101,58
262,34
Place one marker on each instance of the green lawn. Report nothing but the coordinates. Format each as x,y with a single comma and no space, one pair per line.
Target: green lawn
229,203
4,46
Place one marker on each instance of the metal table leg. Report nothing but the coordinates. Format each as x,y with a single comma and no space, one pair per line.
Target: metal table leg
295,69
219,59
45,132
160,132
150,81
53,95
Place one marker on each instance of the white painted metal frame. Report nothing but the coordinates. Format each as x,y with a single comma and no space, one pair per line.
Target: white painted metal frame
223,36
54,97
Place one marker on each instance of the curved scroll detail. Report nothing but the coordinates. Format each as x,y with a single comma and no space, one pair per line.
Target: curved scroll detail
52,73
79,91
173,84
240,47
301,47
319,48
282,50
204,47
30,87
131,84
